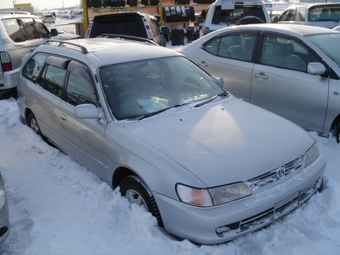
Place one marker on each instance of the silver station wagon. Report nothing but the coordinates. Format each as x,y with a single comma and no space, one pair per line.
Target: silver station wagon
144,118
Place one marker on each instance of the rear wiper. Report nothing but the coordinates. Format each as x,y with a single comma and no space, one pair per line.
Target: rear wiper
159,111
223,94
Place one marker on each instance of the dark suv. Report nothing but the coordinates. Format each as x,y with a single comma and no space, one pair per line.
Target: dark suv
132,23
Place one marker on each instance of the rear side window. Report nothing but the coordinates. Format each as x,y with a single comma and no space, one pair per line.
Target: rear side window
34,66
237,46
240,12
132,25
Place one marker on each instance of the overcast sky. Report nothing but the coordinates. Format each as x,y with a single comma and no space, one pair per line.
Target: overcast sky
41,4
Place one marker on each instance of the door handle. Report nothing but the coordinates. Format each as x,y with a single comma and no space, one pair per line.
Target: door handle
261,75
63,117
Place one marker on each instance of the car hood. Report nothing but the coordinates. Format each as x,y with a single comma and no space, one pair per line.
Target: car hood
223,142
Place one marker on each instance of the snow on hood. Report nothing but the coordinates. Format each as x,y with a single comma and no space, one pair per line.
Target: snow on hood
224,142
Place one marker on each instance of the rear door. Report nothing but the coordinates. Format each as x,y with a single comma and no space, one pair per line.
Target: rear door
230,56
282,85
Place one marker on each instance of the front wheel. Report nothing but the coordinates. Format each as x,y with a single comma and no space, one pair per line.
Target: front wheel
33,123
337,132
136,192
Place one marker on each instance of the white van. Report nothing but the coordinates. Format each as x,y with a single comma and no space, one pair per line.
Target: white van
224,13
19,34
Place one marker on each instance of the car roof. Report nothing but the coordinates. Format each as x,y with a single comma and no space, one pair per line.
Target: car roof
309,5
105,51
293,29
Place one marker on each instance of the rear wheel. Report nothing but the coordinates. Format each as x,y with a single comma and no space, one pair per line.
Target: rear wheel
33,123
136,192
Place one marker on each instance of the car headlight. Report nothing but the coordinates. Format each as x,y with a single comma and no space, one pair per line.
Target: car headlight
212,196
311,155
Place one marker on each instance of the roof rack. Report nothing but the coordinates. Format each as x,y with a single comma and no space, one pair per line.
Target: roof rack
60,43
128,37
14,12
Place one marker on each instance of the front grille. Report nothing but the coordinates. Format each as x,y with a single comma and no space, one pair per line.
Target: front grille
280,209
261,181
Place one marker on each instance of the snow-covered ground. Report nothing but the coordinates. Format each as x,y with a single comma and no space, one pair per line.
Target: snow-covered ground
59,207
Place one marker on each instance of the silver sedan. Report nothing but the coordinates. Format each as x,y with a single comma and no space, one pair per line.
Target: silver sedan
291,70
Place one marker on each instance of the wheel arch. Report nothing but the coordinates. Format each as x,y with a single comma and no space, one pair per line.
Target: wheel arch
119,174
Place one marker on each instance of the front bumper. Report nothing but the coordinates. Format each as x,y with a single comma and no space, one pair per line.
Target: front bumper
218,224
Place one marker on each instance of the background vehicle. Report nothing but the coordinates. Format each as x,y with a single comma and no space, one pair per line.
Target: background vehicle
291,70
130,23
62,35
22,33
48,18
224,13
151,121
320,14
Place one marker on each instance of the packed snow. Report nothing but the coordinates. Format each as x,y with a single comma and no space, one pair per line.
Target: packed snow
59,207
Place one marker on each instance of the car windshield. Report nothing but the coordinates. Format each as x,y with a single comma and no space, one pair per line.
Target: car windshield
329,44
141,88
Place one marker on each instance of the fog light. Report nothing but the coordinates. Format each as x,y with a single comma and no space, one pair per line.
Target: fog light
223,230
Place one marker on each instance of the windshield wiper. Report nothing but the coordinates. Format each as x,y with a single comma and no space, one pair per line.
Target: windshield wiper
159,111
223,94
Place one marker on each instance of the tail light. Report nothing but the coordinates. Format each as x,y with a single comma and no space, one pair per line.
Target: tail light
5,62
88,30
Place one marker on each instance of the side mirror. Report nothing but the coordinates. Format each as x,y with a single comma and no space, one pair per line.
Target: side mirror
219,81
316,68
275,19
54,32
87,111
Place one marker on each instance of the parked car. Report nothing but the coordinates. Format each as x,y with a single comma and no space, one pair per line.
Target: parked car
291,70
22,33
337,28
4,214
48,18
208,166
319,14
62,34
222,13
128,23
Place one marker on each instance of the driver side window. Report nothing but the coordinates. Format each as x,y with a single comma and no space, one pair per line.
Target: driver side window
286,53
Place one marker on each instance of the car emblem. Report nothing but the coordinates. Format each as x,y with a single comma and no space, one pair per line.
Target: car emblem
281,172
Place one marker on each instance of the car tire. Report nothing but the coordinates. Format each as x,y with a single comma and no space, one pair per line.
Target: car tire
33,123
337,132
133,188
